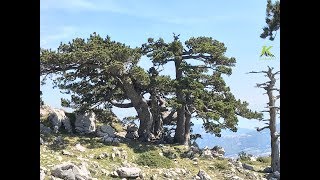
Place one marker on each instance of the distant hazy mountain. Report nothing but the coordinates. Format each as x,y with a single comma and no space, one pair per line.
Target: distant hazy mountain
247,140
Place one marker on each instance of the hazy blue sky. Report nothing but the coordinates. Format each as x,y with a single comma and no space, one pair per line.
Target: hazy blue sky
236,23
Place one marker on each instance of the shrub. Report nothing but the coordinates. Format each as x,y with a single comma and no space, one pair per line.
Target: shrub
264,159
153,159
221,165
170,154
244,156
117,126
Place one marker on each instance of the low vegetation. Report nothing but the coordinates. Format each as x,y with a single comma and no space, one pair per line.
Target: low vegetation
154,159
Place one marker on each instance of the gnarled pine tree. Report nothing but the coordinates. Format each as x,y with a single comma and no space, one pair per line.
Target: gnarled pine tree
99,73
200,90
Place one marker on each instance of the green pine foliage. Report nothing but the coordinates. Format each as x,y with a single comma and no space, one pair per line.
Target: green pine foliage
272,20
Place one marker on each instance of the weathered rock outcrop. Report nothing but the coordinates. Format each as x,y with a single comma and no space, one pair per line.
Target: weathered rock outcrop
105,130
85,123
44,129
132,131
58,118
45,110
70,171
128,172
203,175
214,152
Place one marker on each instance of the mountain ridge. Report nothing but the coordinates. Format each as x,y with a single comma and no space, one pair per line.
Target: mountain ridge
248,140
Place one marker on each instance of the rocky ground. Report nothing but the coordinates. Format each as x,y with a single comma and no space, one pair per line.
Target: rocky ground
80,148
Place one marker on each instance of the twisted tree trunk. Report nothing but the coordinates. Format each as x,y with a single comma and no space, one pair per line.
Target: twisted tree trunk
142,108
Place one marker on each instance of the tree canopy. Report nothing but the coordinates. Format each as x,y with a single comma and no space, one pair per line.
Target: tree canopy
272,20
200,89
99,74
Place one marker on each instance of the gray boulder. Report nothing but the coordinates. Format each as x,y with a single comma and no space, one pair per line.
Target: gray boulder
219,150
85,123
203,175
267,170
105,130
44,129
58,118
206,153
246,166
132,135
80,148
128,172
132,127
70,171
107,139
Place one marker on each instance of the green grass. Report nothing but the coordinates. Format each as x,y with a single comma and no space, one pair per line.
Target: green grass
259,164
222,165
117,126
266,160
154,159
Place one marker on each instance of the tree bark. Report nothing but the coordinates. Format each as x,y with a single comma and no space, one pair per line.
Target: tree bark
188,120
187,129
275,150
157,126
142,108
275,141
179,136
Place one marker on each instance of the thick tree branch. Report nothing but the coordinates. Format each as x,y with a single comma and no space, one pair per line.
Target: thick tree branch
55,69
270,107
257,72
187,110
200,56
260,129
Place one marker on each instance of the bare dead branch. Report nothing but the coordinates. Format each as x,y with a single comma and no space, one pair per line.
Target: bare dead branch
270,107
257,72
260,129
